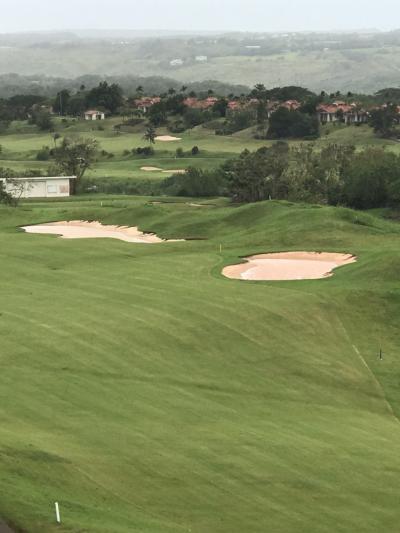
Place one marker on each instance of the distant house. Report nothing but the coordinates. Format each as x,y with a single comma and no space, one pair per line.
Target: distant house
44,108
195,103
342,112
144,104
201,59
176,63
292,105
93,114
41,187
274,105
234,105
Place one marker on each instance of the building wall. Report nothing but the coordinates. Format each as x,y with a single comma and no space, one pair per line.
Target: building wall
46,188
99,116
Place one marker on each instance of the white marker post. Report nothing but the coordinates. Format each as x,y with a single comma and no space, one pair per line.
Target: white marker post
58,513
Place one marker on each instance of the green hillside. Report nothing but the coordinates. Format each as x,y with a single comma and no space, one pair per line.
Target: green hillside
145,392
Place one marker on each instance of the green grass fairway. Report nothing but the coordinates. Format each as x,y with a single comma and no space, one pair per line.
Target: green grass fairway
21,143
146,393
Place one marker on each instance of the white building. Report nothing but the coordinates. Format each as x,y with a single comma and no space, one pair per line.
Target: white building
201,59
176,62
93,114
46,187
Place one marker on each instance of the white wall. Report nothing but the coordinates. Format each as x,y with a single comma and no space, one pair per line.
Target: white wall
43,188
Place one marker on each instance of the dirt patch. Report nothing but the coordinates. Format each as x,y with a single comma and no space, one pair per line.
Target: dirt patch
167,138
151,169
288,266
80,229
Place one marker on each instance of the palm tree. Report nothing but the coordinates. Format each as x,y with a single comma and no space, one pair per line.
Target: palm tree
56,136
150,134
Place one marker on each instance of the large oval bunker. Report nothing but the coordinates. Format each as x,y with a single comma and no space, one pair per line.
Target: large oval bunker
285,266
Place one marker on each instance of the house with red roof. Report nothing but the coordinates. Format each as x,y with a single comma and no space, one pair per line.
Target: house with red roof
341,112
94,114
291,105
195,103
144,104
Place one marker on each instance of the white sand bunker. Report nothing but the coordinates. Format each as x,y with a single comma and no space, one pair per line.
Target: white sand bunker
156,169
288,266
167,138
175,171
80,229
151,169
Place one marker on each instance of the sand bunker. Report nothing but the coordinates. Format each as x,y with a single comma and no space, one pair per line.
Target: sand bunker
288,266
80,229
156,169
178,171
167,138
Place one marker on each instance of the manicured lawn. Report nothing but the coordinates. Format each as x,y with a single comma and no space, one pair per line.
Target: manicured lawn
145,392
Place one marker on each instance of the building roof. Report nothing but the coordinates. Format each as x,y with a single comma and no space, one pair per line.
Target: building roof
94,112
147,101
337,106
42,178
292,105
200,104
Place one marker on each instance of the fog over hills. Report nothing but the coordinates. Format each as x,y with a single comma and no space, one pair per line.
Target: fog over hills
357,61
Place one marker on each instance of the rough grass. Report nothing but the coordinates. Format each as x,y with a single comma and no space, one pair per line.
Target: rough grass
145,392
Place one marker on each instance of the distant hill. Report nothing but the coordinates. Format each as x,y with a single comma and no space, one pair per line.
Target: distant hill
362,61
12,84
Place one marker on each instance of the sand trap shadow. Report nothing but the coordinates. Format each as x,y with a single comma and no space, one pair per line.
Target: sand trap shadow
285,266
80,229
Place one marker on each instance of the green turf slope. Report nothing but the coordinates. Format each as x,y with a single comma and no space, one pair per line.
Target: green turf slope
146,393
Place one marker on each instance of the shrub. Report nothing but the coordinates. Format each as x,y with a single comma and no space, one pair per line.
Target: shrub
43,154
195,183
147,151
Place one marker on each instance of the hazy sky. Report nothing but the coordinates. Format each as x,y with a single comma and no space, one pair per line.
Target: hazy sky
257,15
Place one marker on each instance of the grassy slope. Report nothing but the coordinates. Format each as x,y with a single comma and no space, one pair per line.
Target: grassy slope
145,392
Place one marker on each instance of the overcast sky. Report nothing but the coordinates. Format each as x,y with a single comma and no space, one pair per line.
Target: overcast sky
247,15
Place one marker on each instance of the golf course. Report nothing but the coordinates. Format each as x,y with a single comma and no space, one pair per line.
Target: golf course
116,162
145,392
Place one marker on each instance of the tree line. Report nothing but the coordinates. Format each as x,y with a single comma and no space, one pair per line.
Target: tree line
335,175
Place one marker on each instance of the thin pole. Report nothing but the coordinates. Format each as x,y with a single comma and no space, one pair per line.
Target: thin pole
58,513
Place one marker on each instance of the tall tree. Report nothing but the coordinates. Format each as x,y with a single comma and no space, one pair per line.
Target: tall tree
74,157
60,104
105,96
384,119
150,134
